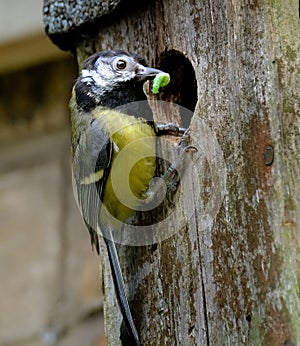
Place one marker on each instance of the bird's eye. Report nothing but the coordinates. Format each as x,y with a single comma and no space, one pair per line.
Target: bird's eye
121,64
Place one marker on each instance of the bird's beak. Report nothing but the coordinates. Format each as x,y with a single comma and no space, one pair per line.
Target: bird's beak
148,73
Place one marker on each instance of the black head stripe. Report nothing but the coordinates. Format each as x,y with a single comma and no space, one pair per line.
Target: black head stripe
114,53
89,63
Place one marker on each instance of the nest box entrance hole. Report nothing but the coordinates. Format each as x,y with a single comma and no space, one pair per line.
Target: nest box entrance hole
181,91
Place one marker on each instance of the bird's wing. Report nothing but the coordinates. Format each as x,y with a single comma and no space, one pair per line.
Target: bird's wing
91,167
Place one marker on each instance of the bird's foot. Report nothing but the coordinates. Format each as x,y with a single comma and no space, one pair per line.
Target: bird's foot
169,129
169,182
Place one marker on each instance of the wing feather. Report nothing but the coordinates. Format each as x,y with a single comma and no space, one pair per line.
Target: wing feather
91,166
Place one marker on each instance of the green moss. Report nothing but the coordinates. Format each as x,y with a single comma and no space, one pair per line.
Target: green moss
291,54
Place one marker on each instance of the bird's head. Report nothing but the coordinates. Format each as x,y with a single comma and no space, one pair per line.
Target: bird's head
112,78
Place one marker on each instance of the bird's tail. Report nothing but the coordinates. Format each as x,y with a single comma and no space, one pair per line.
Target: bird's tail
120,292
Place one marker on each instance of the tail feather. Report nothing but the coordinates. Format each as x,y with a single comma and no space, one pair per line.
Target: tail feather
120,292
132,333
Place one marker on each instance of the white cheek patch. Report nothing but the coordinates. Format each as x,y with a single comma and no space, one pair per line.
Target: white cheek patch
126,75
86,76
89,76
107,79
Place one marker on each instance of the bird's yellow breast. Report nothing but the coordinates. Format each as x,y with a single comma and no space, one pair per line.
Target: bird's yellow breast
133,162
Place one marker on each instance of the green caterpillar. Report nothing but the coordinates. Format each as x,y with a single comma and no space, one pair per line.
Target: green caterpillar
161,79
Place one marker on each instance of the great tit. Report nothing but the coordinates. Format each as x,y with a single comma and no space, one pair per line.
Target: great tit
102,127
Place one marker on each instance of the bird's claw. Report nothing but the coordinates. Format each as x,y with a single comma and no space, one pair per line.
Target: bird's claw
185,138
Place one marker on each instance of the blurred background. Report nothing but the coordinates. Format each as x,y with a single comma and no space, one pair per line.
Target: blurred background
50,292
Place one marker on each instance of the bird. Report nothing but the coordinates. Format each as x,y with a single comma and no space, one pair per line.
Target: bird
101,127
